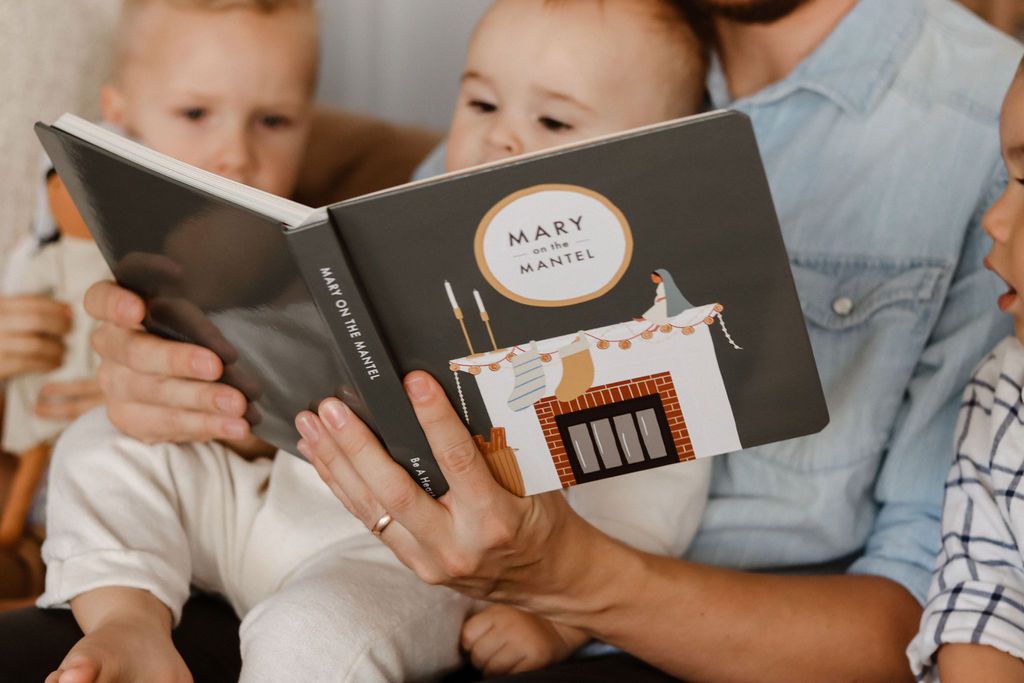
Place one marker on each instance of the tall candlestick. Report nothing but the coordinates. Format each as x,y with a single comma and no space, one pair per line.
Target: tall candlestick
485,317
458,316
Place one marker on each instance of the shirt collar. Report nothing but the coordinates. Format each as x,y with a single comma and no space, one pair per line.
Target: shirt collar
854,65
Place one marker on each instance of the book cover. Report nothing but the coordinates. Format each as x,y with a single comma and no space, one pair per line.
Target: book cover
621,305
591,311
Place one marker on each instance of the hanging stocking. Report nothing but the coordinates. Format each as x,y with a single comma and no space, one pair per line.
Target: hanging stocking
530,382
577,370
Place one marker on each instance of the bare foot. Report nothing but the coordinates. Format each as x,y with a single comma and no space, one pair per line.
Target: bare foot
123,651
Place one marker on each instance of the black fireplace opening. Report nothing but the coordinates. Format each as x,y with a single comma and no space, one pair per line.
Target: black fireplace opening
626,436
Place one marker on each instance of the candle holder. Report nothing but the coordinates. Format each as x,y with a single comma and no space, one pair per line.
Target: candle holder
487,323
465,332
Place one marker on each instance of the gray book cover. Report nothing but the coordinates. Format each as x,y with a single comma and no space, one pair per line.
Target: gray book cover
591,311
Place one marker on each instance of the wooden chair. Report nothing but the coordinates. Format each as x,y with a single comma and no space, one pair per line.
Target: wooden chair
21,567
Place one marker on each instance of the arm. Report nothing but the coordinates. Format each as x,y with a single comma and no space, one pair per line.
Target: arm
975,606
697,622
968,663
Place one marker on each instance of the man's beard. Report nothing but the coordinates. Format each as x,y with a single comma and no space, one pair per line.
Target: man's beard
749,11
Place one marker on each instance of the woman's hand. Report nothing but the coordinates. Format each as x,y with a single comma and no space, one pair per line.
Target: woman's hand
477,538
160,390
31,334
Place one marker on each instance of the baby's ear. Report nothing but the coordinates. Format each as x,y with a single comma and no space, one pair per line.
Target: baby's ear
112,104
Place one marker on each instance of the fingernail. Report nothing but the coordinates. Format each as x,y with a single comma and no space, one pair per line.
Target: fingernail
204,366
336,413
236,429
226,404
419,388
309,429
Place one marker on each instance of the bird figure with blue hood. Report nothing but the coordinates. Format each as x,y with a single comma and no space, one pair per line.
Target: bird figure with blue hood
668,300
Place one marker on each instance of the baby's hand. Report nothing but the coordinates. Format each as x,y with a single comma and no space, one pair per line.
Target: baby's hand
504,640
68,400
31,329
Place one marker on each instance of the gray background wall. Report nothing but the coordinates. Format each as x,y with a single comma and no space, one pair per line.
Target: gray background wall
399,59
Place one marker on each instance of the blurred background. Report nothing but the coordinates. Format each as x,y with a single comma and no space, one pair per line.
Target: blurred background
394,59
399,59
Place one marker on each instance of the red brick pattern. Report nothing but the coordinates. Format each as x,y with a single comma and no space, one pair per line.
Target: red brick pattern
660,384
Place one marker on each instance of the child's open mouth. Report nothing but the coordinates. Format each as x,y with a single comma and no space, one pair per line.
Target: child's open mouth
1006,300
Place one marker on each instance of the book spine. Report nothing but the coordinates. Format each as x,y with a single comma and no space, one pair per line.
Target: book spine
381,401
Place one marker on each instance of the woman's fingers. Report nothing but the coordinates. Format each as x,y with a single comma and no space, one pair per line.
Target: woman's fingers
123,384
389,484
348,487
469,480
155,424
318,447
184,316
151,355
107,302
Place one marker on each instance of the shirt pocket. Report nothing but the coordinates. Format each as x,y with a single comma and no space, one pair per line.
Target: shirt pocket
868,320
843,294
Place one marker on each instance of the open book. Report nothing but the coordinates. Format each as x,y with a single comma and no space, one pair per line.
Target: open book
591,310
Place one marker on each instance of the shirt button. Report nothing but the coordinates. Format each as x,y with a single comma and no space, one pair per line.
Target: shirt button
843,306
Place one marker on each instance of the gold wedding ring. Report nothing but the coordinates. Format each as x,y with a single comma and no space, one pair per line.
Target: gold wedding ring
381,525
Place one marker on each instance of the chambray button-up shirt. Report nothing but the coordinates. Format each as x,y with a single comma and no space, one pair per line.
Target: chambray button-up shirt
882,153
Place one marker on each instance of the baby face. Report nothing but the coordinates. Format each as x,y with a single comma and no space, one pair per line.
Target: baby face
540,74
1004,222
228,91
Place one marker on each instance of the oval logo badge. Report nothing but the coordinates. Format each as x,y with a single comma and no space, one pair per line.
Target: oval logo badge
554,245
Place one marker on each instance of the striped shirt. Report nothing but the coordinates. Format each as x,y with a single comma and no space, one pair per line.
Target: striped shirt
977,588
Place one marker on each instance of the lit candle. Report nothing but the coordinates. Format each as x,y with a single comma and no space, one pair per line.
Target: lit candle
451,295
479,302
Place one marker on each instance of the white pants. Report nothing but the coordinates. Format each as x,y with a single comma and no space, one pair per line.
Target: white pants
320,598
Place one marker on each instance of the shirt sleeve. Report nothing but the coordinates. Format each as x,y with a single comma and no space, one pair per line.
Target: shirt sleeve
433,165
977,591
905,538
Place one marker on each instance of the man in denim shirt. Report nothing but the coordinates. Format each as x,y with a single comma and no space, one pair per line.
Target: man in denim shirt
881,147
877,123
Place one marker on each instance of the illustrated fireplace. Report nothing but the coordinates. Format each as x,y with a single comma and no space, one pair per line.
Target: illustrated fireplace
615,428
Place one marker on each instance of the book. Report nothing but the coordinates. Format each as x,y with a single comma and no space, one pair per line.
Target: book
591,310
